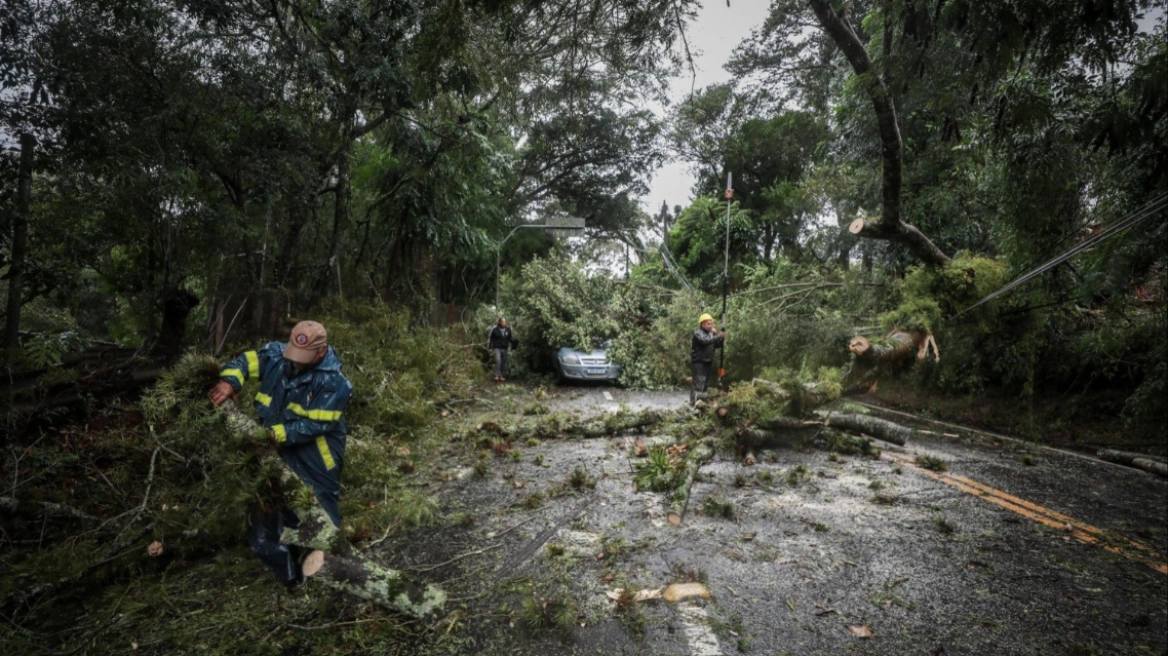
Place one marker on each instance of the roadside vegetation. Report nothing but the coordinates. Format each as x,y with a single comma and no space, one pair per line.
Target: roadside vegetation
207,172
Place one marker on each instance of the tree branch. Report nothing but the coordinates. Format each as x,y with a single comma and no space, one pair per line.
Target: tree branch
891,226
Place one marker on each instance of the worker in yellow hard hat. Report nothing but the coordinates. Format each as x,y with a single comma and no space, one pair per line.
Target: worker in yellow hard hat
706,340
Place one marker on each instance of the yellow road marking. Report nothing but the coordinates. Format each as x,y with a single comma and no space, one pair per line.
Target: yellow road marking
1129,549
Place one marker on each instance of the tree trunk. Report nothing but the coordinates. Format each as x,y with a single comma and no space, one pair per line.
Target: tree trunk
696,458
19,246
1151,464
891,225
897,347
754,438
878,428
356,575
340,222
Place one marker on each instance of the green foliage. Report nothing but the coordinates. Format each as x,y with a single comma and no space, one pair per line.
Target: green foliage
716,508
659,472
556,303
931,294
402,376
931,463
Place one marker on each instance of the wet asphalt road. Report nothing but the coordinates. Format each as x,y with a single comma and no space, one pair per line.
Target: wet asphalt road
854,546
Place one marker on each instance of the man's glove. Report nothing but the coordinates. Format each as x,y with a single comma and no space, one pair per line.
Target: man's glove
221,392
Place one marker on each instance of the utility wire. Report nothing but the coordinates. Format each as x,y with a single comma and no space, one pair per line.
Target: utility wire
1153,208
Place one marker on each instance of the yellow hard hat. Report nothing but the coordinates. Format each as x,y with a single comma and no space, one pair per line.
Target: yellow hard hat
704,318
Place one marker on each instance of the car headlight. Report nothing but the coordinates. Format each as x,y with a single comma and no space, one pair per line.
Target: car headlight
569,359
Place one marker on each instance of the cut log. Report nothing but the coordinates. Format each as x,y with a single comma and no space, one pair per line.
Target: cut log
1148,463
696,458
387,588
881,429
748,459
897,346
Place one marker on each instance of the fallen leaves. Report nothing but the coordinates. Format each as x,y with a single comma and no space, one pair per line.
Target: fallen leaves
860,630
672,593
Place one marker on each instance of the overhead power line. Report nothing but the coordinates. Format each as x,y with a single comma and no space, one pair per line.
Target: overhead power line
1154,207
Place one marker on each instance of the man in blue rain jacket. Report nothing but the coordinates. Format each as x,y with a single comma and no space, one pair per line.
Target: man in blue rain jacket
301,401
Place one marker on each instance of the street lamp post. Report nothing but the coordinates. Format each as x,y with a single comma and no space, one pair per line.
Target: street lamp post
560,226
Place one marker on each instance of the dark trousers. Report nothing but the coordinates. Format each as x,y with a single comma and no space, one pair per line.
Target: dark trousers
500,361
701,379
263,533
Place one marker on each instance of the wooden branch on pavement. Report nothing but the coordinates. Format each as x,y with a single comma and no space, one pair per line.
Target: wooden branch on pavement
693,462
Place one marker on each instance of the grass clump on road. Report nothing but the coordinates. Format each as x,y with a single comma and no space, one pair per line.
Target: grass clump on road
933,464
717,508
660,472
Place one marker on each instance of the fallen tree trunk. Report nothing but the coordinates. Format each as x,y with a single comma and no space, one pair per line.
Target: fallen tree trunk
353,574
881,429
1151,464
608,425
356,575
696,458
897,346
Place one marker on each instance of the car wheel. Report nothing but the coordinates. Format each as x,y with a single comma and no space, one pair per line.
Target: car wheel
560,378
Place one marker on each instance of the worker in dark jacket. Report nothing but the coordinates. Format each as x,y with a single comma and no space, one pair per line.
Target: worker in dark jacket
500,340
705,342
301,401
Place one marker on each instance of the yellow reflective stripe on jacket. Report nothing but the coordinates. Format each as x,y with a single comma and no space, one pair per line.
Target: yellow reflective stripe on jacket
325,454
280,433
264,399
253,364
318,415
233,373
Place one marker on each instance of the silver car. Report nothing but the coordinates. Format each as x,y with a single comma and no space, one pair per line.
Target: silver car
572,364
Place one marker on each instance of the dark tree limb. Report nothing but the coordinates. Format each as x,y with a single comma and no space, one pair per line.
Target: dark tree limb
891,226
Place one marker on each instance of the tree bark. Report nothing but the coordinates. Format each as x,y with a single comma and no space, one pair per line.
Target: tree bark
19,246
897,347
891,226
356,575
693,462
880,429
1151,464
340,222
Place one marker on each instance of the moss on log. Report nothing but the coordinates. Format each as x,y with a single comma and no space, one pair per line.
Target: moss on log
697,457
388,588
881,429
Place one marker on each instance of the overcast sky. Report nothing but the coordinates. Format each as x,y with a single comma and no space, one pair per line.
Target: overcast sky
712,37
